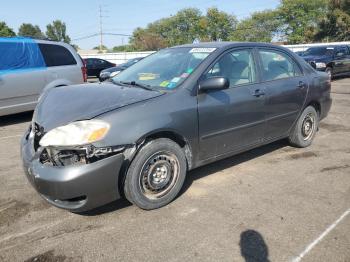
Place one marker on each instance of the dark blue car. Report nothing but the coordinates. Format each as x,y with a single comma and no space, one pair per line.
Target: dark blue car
334,60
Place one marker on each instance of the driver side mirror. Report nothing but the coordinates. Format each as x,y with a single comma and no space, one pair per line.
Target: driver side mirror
214,83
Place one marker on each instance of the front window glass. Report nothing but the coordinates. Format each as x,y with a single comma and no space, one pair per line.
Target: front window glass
166,69
237,66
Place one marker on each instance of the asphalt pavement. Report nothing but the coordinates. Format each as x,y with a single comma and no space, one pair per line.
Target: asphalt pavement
274,203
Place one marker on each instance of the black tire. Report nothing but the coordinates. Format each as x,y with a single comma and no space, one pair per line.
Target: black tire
156,174
329,71
305,128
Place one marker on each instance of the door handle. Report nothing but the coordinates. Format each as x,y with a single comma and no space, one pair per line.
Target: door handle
301,84
258,93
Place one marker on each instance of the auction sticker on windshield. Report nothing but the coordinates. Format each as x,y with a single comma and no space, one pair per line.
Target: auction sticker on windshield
202,50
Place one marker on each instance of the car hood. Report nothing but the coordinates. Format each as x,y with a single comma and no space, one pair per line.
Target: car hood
62,105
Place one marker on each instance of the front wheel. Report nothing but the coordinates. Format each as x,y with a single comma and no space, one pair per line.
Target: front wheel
156,174
329,71
305,128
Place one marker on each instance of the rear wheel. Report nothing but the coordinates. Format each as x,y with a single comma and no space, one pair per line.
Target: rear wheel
305,129
156,175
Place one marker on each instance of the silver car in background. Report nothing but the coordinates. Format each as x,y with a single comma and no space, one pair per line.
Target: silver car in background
29,67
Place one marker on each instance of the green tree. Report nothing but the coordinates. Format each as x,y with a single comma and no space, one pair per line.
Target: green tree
260,27
6,31
184,27
299,19
57,31
146,40
220,25
335,26
30,30
123,48
98,47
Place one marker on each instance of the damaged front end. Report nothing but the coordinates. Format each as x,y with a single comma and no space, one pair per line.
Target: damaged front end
69,155
77,178
65,156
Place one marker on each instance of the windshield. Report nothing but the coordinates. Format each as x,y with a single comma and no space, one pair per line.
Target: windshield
318,51
166,69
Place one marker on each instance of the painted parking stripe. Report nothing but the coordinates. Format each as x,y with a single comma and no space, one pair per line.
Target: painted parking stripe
319,239
7,137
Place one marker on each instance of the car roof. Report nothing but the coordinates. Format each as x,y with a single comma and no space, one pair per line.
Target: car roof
226,45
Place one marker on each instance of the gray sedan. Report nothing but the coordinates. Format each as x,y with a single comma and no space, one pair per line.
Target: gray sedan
178,109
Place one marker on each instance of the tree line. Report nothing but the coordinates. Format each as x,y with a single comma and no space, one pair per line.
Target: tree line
292,22
56,31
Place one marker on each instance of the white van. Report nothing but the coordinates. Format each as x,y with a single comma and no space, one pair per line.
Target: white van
28,67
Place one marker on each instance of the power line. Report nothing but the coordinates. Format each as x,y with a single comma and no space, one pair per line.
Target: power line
98,34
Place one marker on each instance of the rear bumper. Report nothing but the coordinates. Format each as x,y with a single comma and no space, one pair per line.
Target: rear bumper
78,187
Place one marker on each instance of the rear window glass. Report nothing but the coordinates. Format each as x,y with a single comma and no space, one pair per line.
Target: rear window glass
56,55
20,55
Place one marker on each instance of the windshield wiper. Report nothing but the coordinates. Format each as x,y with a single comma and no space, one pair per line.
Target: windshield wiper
133,83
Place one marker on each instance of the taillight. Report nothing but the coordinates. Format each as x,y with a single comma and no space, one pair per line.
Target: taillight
84,71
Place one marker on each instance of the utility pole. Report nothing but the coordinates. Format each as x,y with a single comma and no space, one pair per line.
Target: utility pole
101,31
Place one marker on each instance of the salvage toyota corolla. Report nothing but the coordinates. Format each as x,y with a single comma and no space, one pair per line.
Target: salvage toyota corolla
180,108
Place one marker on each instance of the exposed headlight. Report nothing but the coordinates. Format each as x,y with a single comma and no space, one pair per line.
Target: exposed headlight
76,133
114,73
320,65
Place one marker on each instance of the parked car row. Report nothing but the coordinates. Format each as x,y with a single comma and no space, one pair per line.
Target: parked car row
113,71
104,69
96,65
333,59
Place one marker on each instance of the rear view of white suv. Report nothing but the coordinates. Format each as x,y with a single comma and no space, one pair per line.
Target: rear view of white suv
28,67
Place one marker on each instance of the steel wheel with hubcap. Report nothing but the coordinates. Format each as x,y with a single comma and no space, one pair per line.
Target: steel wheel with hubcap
159,175
305,128
156,174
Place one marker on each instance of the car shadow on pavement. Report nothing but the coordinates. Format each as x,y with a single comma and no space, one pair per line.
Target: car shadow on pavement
212,168
197,174
110,207
16,118
253,247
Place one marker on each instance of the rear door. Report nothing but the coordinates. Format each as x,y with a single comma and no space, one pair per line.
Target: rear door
232,119
286,88
61,64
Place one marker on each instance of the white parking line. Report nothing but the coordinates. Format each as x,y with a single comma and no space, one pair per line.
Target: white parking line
319,239
6,137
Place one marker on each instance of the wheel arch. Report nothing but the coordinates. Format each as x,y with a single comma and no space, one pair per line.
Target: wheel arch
175,137
163,133
315,104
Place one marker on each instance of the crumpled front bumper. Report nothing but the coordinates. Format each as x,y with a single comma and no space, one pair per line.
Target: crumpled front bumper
77,188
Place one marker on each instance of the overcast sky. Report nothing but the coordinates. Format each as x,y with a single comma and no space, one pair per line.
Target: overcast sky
120,16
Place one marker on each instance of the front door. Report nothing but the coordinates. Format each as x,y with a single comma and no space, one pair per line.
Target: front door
231,119
341,60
